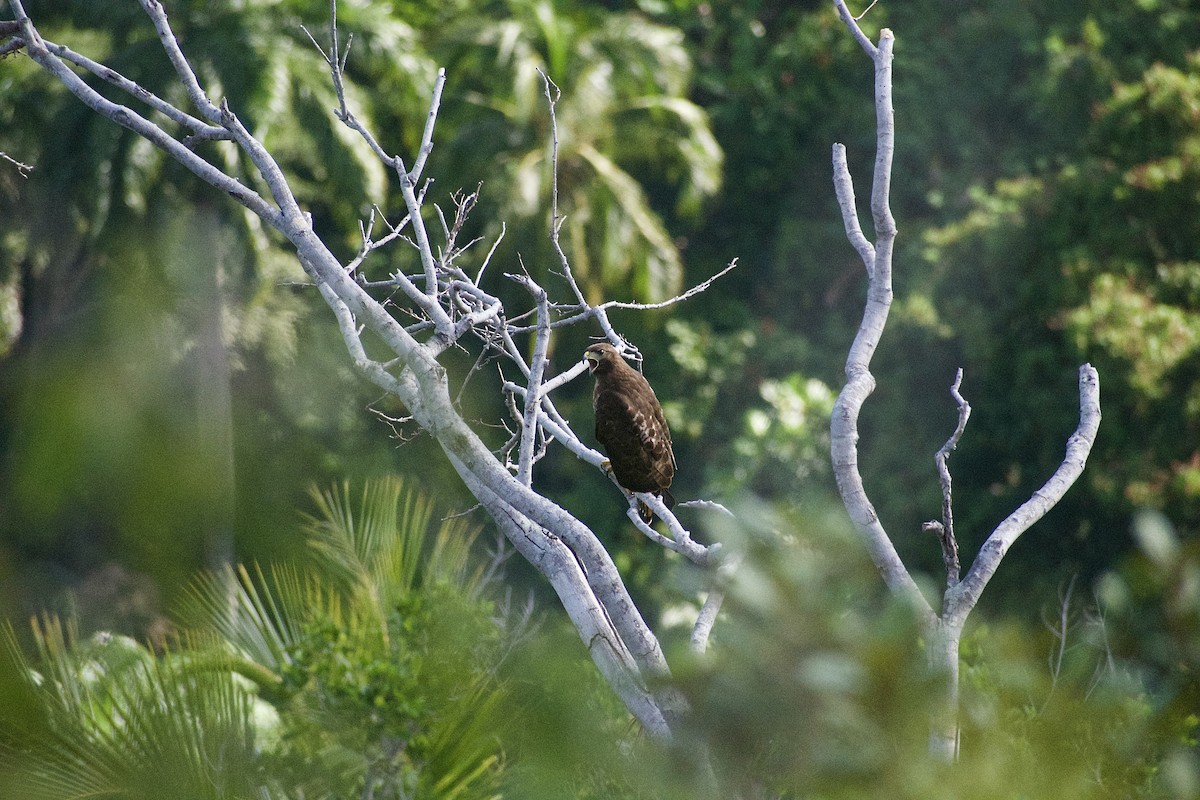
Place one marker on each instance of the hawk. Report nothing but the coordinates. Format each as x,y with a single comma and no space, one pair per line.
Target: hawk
630,426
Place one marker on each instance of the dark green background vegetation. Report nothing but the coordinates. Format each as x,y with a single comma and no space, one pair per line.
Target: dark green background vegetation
169,390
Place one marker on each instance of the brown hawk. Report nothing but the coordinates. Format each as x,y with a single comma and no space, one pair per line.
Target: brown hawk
630,426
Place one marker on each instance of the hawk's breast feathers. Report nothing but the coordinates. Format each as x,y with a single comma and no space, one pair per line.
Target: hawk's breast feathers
630,425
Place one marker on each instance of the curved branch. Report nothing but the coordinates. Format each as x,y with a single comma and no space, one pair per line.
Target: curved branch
843,187
945,528
963,597
39,50
852,23
565,573
705,620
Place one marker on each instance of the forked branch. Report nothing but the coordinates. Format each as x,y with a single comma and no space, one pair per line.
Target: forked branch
942,631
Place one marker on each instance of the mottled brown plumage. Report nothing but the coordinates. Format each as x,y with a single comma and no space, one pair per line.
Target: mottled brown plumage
630,426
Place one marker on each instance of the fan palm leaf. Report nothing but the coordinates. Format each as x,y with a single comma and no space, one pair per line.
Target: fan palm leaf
122,723
373,659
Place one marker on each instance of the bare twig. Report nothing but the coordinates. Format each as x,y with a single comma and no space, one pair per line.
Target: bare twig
39,50
556,220
1060,630
1107,663
852,23
680,541
200,129
183,69
844,189
679,298
426,147
945,529
582,313
865,10
13,45
533,392
709,505
22,169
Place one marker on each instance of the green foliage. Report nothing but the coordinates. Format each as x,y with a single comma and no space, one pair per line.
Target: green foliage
373,667
784,446
1089,256
110,716
1045,188
1152,603
380,651
625,126
357,674
158,337
816,685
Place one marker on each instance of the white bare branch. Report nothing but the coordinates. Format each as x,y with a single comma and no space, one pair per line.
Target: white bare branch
22,169
201,131
859,381
39,50
843,186
533,391
705,621
852,23
1079,446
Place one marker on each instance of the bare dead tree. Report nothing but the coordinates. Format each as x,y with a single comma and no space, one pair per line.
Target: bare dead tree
432,307
943,629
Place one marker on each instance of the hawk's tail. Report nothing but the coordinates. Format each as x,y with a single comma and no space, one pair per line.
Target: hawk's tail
644,510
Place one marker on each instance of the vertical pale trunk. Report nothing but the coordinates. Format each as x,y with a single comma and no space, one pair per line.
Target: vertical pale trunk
942,641
202,260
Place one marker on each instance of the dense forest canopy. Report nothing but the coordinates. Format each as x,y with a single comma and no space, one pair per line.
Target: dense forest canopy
170,389
1043,191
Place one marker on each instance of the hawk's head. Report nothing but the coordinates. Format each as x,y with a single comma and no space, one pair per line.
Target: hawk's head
601,357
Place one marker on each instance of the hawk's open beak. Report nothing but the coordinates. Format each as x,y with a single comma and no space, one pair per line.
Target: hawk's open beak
592,360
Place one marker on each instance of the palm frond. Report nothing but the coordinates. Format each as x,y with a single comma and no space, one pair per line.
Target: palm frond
230,604
389,546
690,141
631,220
450,557
122,723
463,759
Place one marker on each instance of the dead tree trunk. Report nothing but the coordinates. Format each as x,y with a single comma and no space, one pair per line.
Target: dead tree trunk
943,629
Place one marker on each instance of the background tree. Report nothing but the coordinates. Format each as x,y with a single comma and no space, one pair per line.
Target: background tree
626,127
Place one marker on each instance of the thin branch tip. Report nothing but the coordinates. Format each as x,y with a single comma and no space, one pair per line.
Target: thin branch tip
863,13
